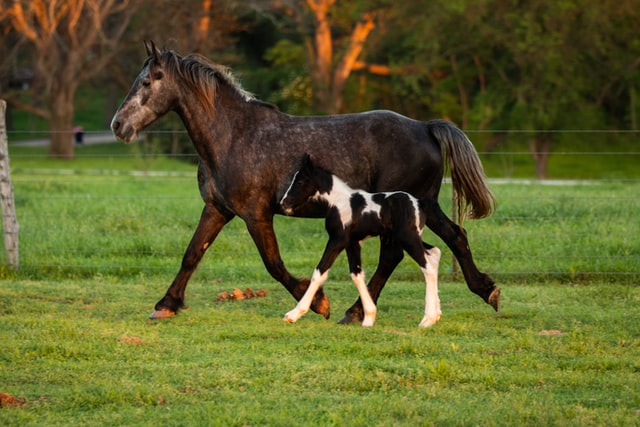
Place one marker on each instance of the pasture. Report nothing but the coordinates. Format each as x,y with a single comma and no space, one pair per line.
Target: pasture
102,237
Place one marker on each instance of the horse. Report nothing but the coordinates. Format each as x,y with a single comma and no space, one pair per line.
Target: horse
248,151
354,215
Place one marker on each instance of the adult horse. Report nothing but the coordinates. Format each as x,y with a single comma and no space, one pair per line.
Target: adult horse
248,152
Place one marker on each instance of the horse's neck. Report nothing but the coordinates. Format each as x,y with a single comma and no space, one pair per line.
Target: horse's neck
208,125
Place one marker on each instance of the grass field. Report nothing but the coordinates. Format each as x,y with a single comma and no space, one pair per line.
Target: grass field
80,352
100,243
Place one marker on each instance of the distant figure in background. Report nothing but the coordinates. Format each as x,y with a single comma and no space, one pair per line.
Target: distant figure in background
78,134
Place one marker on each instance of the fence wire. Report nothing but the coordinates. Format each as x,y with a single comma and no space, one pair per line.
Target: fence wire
105,221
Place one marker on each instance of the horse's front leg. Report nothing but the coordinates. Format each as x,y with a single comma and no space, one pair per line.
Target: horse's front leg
354,257
390,256
264,237
211,222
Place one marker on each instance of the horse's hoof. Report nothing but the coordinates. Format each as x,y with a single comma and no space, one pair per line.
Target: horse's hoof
494,299
164,313
321,306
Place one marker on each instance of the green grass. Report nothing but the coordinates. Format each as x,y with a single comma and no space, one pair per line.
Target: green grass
82,353
100,244
95,216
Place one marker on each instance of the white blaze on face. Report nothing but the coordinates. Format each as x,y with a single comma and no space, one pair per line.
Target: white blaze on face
289,211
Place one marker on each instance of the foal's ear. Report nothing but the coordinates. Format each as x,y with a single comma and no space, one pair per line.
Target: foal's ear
306,162
152,51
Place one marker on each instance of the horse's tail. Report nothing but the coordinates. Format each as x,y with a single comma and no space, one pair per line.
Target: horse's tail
475,200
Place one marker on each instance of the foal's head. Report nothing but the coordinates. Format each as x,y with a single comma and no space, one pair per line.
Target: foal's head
308,183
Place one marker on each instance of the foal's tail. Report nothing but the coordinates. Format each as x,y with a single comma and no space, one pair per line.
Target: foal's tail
475,200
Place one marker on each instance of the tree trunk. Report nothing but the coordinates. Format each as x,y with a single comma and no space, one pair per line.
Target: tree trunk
344,68
540,149
202,29
323,53
328,86
61,123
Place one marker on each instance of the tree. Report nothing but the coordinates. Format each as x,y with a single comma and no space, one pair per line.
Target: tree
71,41
332,38
329,80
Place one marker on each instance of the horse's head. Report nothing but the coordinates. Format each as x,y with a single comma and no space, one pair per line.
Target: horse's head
307,184
150,97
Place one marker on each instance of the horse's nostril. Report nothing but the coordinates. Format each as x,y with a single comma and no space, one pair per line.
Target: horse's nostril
115,125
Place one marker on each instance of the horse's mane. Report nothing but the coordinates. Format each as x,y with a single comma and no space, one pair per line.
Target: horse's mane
203,77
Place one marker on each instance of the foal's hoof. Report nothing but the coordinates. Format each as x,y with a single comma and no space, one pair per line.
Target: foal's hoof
163,313
494,299
351,316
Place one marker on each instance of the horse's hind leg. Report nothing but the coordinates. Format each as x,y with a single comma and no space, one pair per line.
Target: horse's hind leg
479,283
357,275
390,256
264,237
211,222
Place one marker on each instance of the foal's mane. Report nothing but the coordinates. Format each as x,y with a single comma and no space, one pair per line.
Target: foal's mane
203,77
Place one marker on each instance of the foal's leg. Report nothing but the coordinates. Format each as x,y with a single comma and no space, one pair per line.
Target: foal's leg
211,222
428,258
479,283
357,275
432,311
318,278
390,256
261,230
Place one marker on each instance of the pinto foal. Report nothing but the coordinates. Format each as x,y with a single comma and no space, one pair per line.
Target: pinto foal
353,216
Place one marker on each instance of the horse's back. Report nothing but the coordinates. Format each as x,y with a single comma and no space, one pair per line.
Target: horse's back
377,150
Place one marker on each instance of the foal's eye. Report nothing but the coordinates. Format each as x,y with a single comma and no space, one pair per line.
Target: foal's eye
146,82
158,75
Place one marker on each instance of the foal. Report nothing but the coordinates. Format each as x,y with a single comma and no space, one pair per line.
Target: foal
353,216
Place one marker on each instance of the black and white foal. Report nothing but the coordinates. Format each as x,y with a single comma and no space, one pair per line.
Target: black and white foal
353,216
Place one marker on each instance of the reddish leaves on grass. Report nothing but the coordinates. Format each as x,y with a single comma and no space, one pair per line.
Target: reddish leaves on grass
8,400
130,340
239,295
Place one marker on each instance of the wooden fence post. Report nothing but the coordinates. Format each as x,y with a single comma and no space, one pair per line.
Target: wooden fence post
9,220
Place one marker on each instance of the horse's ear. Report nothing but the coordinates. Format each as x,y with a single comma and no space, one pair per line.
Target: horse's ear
152,50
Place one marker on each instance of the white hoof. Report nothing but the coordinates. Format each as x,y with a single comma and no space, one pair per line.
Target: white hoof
428,321
292,316
368,322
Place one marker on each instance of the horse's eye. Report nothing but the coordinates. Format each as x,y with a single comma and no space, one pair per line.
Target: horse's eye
158,75
146,82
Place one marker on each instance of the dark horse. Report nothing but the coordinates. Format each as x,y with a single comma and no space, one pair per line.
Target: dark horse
354,215
248,152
